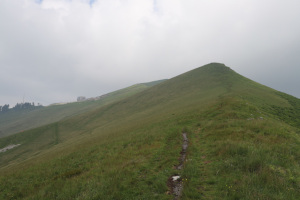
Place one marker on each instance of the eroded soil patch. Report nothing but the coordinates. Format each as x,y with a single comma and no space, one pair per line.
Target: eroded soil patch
9,147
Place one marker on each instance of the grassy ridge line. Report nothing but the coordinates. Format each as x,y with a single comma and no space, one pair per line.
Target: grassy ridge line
14,122
152,105
127,149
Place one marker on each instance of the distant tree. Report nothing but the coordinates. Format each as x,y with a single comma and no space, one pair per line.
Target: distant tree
17,106
5,108
26,106
0,108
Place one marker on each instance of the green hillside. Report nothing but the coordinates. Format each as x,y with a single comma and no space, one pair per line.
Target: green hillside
17,121
243,143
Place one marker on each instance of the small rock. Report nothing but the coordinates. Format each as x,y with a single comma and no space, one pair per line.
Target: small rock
175,178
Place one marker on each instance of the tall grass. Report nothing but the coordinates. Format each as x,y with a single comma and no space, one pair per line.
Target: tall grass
240,157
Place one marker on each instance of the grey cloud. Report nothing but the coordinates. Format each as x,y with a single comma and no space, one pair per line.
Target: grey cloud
57,50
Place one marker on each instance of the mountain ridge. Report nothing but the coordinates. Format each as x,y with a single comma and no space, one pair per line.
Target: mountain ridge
238,147
13,122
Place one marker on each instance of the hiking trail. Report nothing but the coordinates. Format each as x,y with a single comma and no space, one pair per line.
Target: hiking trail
175,182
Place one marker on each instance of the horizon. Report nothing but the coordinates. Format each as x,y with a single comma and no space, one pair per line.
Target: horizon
87,97
56,50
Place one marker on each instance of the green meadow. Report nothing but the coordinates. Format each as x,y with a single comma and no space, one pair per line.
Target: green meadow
244,143
17,121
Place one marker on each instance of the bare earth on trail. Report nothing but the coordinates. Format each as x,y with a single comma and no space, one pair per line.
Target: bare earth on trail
175,182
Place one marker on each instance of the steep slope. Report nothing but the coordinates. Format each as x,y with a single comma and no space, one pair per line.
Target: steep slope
240,146
16,121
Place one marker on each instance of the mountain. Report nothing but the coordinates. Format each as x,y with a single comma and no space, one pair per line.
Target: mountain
243,143
17,121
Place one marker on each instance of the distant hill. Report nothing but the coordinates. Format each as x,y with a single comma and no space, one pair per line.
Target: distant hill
20,120
243,143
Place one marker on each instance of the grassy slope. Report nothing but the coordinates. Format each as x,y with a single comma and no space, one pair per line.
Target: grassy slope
13,122
127,149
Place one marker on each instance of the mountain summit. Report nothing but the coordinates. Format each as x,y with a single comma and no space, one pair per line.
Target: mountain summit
209,133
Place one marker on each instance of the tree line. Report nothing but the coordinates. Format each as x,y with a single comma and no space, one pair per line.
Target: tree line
19,107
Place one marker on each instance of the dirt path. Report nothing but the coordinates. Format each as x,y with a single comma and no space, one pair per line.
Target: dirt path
175,182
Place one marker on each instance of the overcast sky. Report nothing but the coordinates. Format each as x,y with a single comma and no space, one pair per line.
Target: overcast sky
55,50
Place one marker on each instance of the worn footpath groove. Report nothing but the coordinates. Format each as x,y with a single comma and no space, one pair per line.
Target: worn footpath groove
175,182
